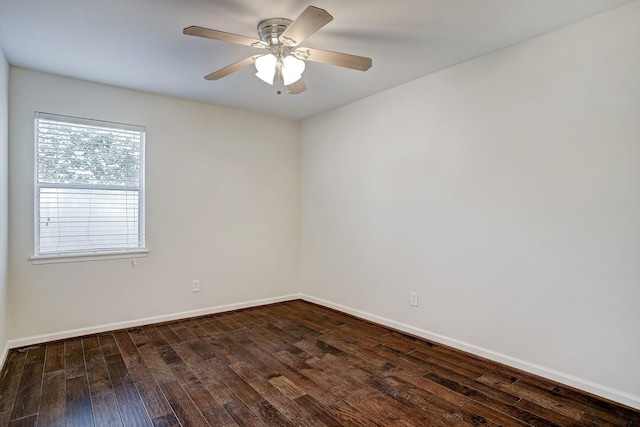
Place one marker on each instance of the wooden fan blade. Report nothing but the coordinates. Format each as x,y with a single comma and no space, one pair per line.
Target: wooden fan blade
297,87
208,33
309,21
334,58
231,68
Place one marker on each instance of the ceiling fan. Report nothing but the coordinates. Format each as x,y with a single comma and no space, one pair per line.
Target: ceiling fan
283,61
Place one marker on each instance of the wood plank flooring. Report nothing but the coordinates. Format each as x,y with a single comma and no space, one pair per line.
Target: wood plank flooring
288,364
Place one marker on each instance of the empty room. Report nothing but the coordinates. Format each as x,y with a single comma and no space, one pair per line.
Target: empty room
363,213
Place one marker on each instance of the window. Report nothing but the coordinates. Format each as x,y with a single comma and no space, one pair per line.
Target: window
89,187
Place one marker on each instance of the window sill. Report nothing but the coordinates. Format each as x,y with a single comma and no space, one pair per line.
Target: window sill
80,257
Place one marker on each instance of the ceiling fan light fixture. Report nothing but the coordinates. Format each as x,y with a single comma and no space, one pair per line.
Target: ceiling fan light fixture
266,68
292,69
283,64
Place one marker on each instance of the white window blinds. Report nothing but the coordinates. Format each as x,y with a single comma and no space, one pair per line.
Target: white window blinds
89,186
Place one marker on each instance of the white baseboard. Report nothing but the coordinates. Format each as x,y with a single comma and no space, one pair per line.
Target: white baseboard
570,380
552,374
38,339
4,354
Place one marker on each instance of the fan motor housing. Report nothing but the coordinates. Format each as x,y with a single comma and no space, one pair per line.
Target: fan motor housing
270,29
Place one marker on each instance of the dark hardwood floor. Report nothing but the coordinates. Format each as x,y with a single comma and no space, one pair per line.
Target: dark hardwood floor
288,364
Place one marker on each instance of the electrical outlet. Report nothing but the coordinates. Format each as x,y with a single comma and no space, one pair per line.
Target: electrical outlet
413,299
195,286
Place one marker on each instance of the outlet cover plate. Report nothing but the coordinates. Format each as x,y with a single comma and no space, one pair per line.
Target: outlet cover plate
413,299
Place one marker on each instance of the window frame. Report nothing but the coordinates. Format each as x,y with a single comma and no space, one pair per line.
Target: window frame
87,255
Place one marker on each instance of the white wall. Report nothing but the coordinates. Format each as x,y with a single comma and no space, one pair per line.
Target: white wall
4,194
506,191
222,207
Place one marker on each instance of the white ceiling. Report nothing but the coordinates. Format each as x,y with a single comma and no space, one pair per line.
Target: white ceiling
139,44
